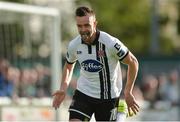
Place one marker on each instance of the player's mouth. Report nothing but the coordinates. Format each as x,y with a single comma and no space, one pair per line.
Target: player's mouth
85,36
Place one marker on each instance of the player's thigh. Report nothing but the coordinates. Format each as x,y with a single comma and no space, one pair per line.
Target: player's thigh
106,111
80,108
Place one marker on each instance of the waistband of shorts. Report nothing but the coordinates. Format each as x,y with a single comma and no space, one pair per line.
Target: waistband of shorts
84,96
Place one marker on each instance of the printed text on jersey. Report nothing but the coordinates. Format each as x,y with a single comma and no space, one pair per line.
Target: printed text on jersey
92,65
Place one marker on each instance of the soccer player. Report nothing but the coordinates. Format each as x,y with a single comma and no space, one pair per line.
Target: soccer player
99,85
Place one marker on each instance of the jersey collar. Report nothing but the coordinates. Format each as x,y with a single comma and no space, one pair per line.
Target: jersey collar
95,40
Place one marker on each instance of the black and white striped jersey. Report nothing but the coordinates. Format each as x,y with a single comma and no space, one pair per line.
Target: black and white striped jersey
100,73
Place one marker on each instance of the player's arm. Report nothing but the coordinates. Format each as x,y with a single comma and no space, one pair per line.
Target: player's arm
66,76
133,66
59,95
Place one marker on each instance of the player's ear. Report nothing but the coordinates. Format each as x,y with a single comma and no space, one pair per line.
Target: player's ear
95,23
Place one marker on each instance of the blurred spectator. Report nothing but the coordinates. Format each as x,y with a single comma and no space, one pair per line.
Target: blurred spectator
43,83
26,88
172,89
149,88
162,86
25,82
138,93
6,86
31,83
14,76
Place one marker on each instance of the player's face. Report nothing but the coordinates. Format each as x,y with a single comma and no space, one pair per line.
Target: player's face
87,27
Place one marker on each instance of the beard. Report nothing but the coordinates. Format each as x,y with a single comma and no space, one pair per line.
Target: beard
85,36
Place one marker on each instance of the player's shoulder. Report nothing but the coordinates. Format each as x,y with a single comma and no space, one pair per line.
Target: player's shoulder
108,39
105,35
75,42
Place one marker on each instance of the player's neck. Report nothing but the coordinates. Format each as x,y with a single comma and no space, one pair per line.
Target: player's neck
93,37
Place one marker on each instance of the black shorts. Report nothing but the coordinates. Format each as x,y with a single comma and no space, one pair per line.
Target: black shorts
83,106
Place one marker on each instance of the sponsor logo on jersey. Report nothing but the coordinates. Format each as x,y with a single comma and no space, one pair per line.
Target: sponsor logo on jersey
117,46
92,65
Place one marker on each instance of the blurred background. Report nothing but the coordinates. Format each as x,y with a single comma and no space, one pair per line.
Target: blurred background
34,35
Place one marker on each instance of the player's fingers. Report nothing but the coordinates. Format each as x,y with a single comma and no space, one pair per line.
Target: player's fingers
136,105
57,100
55,93
129,110
55,104
134,109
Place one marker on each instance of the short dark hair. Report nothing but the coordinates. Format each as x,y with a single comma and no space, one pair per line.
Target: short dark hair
83,11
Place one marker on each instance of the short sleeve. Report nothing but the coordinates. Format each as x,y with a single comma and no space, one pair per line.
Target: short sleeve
119,50
71,54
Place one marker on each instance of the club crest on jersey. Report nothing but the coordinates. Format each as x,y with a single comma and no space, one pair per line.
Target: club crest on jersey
101,53
92,65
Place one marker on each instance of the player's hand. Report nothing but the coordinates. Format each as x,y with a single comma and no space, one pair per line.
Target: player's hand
58,98
132,104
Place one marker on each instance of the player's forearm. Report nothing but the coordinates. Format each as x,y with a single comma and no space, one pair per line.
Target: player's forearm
66,77
133,67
